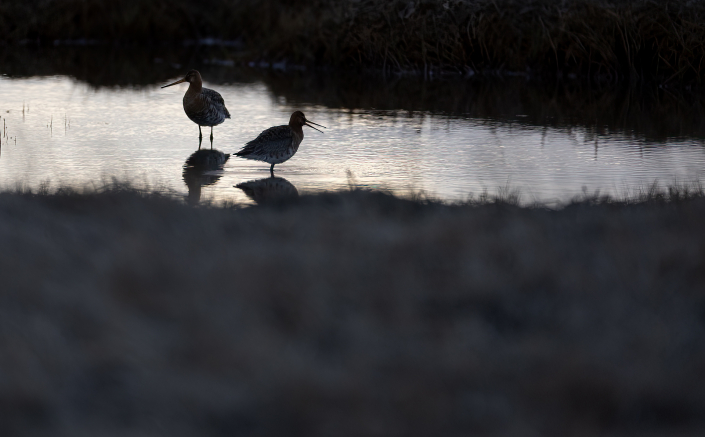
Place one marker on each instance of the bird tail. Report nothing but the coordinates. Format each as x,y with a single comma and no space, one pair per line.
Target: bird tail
247,150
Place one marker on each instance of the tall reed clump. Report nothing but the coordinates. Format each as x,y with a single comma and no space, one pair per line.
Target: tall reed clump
612,39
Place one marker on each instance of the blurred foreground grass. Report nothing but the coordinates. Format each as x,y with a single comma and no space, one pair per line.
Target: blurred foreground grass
352,314
605,39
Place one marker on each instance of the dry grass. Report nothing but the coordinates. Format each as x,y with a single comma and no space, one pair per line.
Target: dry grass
129,313
606,39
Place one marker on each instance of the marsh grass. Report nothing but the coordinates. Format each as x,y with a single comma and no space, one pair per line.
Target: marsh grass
125,312
603,39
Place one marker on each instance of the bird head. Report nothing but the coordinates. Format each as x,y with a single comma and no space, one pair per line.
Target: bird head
299,119
192,76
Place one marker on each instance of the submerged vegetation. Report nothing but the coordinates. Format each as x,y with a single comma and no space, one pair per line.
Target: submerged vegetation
124,312
606,39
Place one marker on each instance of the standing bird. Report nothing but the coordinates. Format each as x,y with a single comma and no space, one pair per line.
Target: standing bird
279,143
203,106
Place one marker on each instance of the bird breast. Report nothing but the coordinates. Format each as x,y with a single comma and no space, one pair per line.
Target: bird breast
193,103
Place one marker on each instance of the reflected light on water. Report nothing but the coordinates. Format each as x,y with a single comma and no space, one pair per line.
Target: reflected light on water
71,134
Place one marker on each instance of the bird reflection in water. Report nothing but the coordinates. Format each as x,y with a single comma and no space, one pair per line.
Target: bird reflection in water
269,190
198,171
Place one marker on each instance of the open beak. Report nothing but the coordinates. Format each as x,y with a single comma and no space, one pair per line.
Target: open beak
309,125
174,83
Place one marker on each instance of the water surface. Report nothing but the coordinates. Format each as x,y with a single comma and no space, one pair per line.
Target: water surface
451,138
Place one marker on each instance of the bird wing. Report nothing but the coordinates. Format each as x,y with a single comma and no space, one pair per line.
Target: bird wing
214,98
270,141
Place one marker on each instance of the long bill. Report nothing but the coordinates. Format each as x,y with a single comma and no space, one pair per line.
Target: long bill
174,83
309,125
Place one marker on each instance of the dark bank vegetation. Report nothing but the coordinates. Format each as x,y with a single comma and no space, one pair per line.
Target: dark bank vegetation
605,39
643,112
354,314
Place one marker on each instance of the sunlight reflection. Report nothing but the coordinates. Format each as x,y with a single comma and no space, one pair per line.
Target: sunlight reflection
70,133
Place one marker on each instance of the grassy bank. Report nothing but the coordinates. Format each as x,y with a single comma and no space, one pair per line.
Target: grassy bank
605,39
128,313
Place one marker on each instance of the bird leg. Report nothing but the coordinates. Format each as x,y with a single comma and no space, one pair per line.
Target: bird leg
211,135
271,170
200,135
200,140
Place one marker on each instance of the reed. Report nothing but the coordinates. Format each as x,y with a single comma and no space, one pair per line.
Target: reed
601,39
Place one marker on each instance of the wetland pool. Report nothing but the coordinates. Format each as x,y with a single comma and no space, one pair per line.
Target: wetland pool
450,138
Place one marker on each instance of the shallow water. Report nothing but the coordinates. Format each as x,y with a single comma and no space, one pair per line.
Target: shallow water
450,138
